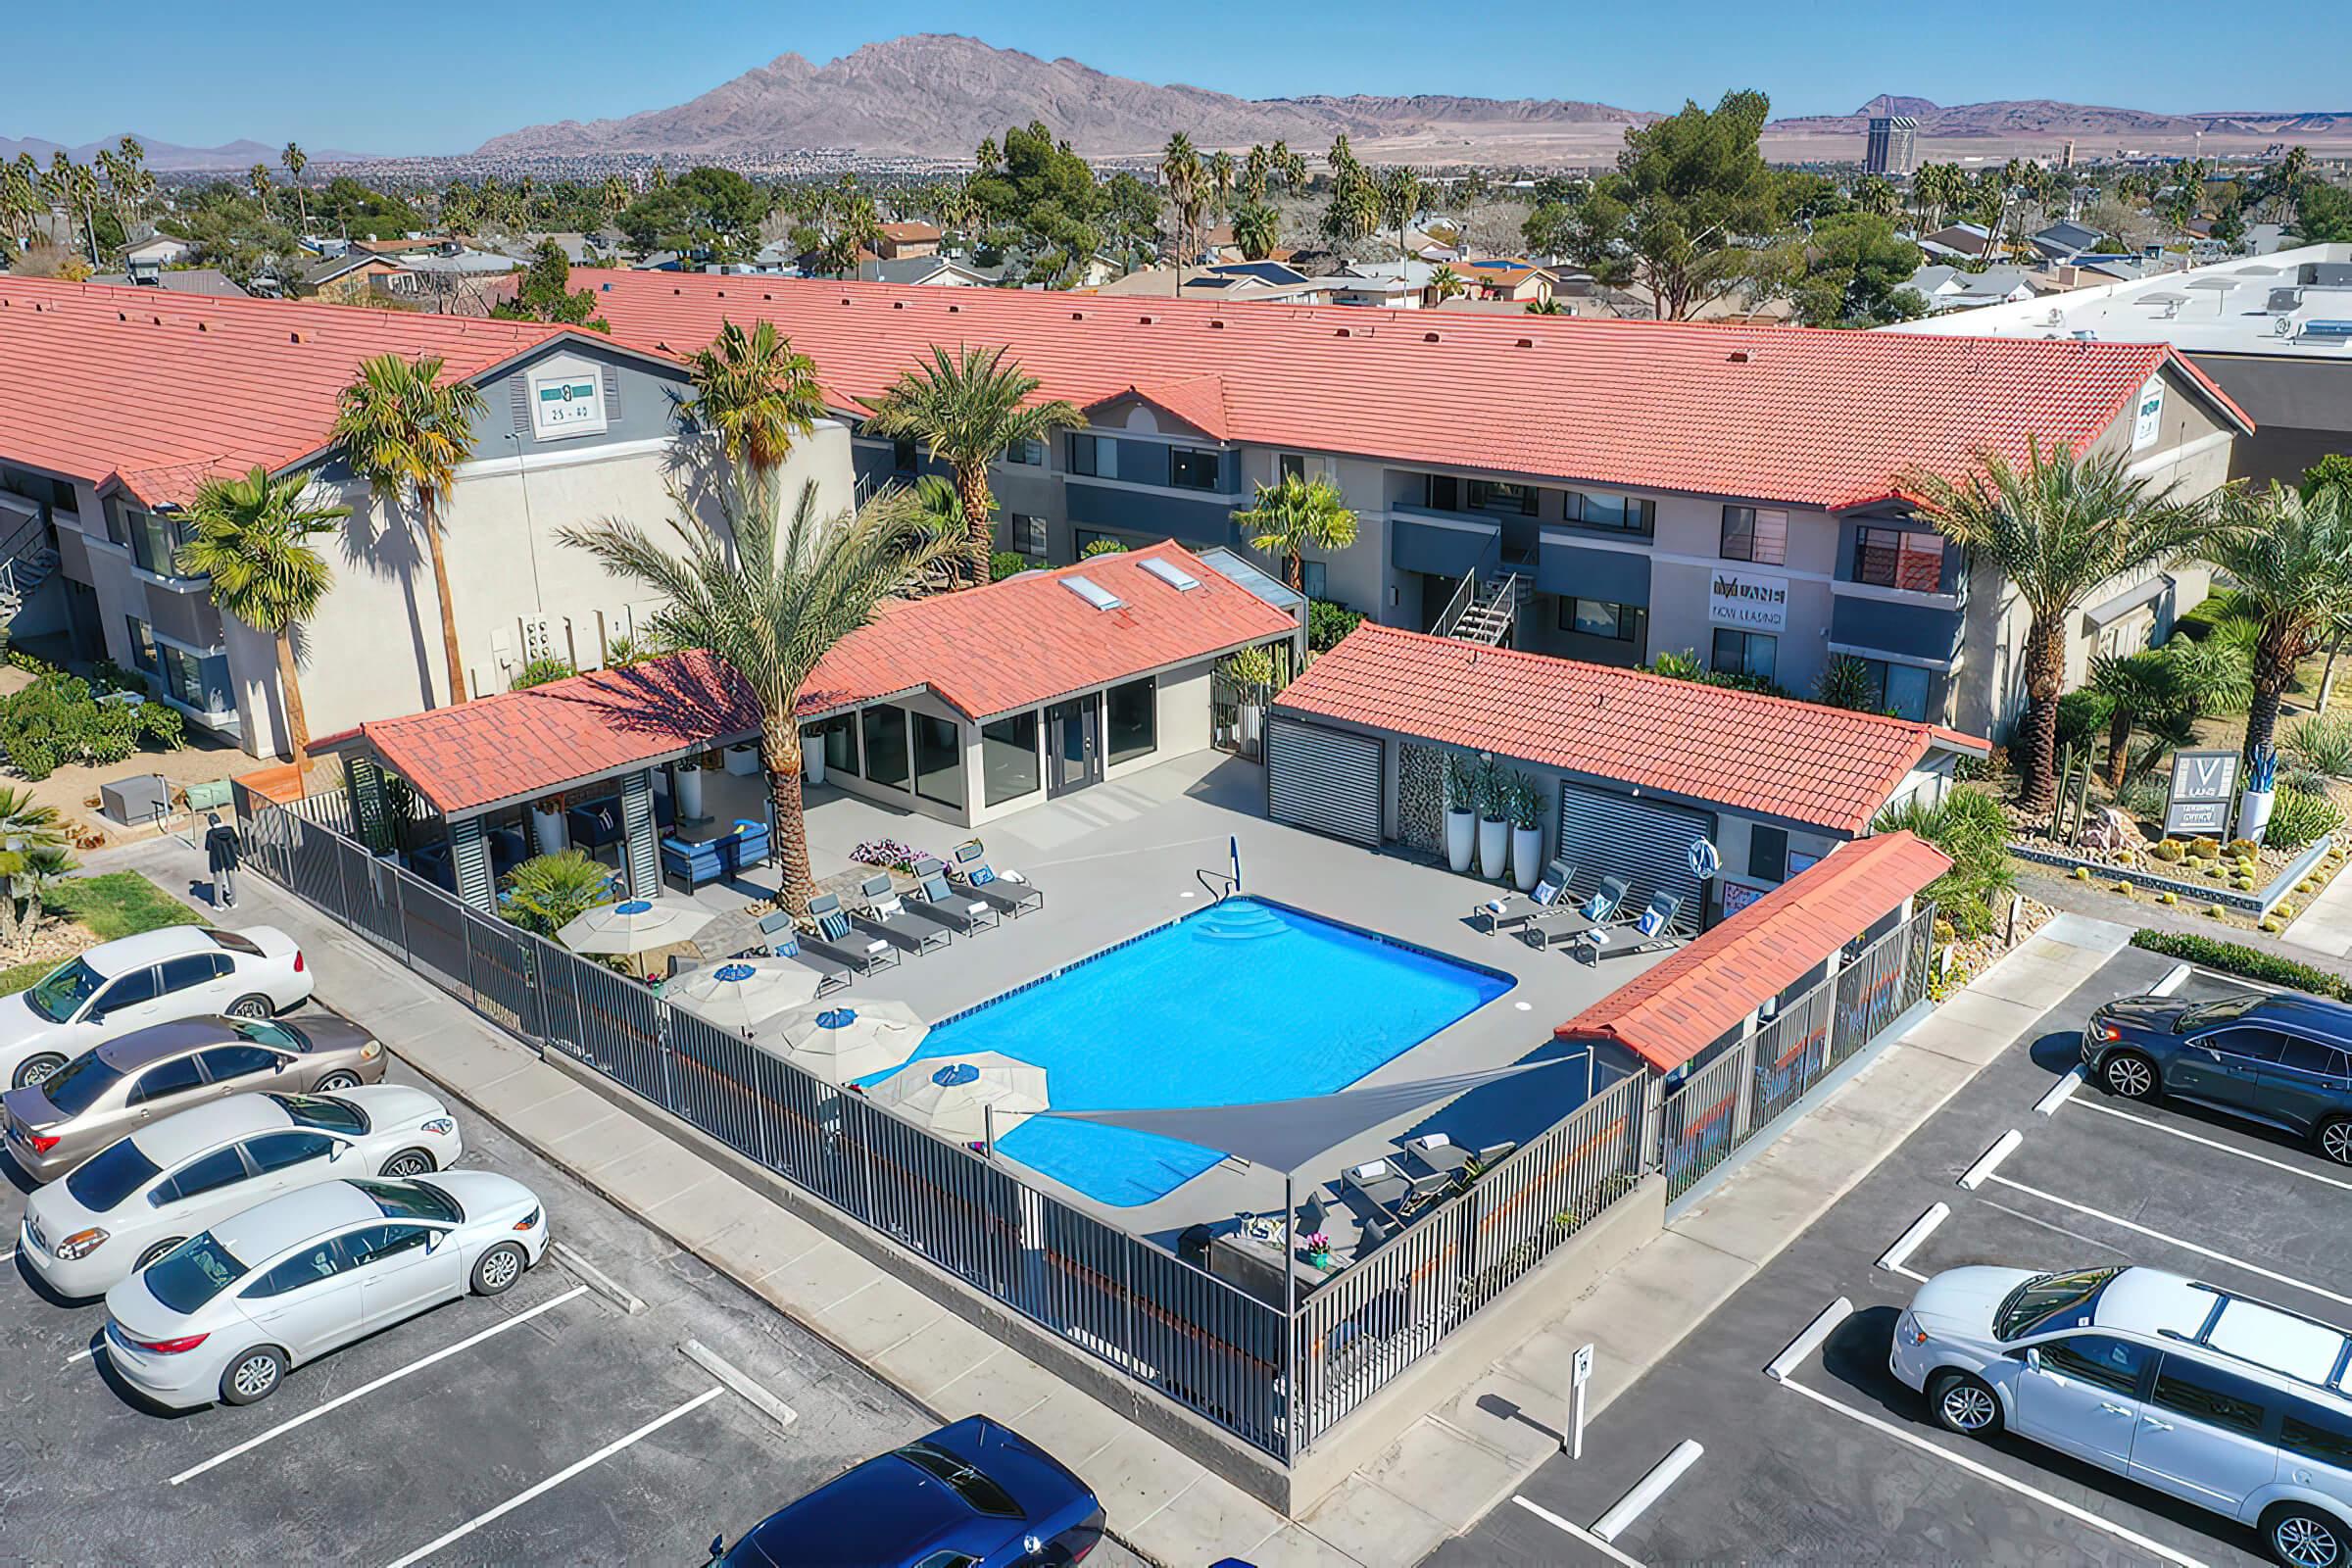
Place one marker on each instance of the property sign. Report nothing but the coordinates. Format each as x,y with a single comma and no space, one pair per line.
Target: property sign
566,404
1750,600
1738,894
2147,423
2203,784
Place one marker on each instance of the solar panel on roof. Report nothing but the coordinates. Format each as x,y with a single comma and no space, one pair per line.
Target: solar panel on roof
1094,593
1234,569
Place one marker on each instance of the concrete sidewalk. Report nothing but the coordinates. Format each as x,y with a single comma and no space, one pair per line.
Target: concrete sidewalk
1438,1477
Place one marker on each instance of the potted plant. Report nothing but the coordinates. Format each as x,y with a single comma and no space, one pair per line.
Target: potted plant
1493,820
1319,1249
1527,831
743,758
813,756
689,775
1461,810
1252,671
548,834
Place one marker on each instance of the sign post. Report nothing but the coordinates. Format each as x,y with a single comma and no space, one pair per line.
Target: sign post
1580,1373
2203,784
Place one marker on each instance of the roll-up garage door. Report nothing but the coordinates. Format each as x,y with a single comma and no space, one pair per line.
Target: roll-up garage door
1644,840
1325,780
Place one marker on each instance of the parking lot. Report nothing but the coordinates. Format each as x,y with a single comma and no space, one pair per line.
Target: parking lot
1841,1462
547,1425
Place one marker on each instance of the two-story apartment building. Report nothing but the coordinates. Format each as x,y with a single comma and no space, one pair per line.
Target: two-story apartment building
1628,489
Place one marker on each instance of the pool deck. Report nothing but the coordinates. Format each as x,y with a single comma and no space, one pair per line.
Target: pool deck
1122,858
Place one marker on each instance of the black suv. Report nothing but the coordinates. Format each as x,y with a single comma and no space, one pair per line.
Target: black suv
2285,1059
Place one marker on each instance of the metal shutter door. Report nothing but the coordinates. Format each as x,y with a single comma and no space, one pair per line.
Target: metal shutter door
1645,841
1324,779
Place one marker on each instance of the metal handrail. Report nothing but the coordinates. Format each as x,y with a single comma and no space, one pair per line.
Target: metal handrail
1452,616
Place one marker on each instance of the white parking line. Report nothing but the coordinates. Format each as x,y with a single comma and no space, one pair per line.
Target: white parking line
2175,1240
2214,1143
558,1478
1578,1531
1986,1472
1808,1339
365,1388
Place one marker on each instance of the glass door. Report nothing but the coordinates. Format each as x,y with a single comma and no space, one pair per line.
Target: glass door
1073,746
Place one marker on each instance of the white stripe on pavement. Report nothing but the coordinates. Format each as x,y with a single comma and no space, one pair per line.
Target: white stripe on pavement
1578,1531
1908,1273
365,1388
2175,1240
558,1478
1986,1472
2212,1142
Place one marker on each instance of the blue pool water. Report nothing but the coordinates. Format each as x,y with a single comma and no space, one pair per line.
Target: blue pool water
1240,1002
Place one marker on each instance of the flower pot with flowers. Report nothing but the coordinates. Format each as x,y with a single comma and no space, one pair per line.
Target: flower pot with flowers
1319,1249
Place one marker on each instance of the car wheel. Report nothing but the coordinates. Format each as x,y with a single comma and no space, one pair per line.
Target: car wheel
409,1162
253,1006
2303,1536
2335,1140
2130,1075
334,1081
496,1271
252,1376
156,1251
34,1069
1965,1404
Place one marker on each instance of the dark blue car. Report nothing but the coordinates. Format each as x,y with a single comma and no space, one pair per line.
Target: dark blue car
974,1495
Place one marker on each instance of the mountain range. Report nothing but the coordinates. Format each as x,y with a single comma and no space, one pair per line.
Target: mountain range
168,158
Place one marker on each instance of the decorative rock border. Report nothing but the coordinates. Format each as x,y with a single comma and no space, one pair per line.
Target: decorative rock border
2257,904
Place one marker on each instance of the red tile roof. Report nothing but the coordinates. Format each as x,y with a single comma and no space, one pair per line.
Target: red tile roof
1797,416
1678,1008
1800,761
119,384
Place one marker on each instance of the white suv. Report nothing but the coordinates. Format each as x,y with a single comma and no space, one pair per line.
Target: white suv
2216,1398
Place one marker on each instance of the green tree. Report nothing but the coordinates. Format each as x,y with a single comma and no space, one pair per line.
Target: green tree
1400,197
548,891
967,408
768,599
2323,213
544,293
404,430
1854,268
33,855
2056,526
1181,177
295,161
2291,559
1256,228
757,392
2332,471
1968,825
1040,207
1293,516
251,535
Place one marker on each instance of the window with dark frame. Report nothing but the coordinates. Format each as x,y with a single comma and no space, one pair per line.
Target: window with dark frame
1501,495
1192,468
1745,653
1755,535
885,732
1009,758
1313,579
1899,557
1444,493
903,455
1131,719
1598,618
1767,853
1598,509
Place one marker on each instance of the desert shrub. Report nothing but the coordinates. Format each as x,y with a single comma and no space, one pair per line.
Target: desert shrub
2203,849
1326,624
2144,797
2297,816
1969,825
2168,850
2242,848
2083,717
543,671
2233,957
1004,563
56,721
2322,744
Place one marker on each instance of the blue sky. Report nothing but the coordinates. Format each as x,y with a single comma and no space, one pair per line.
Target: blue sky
449,75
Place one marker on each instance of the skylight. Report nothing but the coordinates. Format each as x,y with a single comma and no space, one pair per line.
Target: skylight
1173,576
1094,593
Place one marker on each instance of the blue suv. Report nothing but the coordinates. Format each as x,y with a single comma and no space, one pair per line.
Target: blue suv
2284,1059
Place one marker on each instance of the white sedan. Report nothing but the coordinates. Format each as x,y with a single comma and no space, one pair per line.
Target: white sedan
222,1315
181,971
142,1195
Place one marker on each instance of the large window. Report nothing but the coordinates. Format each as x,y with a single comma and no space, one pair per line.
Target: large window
142,646
1746,653
154,542
1897,557
1028,454
1131,719
885,730
1025,534
938,758
1192,468
1313,579
201,681
1009,759
1758,536
1495,494
1443,492
1624,514
1898,689
1767,853
1095,456
840,735
1597,617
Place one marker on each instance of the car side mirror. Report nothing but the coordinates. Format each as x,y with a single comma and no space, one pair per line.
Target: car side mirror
718,1547
432,1240
2034,1359
95,1015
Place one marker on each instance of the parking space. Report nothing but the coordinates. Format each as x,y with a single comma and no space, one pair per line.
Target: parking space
1840,1461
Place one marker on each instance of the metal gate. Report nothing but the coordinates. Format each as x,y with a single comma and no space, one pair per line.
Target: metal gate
1324,779
1645,841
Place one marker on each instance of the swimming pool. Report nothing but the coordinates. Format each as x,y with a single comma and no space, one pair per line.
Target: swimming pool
1240,1002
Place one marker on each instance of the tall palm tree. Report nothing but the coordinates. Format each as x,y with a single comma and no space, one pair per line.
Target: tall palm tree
1257,166
1293,516
295,161
2056,526
1401,193
32,855
404,430
757,392
770,605
1256,228
1181,176
969,407
612,196
2140,689
258,176
2292,558
251,536
1220,182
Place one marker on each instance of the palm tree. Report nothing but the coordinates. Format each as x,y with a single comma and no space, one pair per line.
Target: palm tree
1256,228
757,392
1445,283
2140,688
1400,194
296,161
258,176
1295,516
32,855
1220,182
548,891
2290,555
250,535
2056,527
1256,167
969,407
1180,173
768,607
405,431
612,197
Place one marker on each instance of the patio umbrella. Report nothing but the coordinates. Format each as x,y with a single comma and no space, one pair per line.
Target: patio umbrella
742,992
635,926
947,1094
839,1043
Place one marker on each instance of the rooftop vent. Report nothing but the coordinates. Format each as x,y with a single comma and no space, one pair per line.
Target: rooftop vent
898,305
1175,576
1215,325
1431,337
1739,356
1146,320
1077,315
1094,593
1527,342
953,309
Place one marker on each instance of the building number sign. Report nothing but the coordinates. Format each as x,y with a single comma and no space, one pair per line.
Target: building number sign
567,405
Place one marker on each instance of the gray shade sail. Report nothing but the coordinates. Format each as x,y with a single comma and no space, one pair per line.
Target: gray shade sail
1288,1135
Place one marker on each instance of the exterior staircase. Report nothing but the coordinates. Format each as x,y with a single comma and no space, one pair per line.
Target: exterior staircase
27,560
1487,615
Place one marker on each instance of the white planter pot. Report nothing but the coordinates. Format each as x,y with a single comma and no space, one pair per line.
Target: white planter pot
1253,718
1494,846
813,758
1527,856
743,760
547,836
2254,813
690,793
1461,826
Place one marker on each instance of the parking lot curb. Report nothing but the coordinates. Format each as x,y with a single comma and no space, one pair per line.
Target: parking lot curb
596,1279
775,1409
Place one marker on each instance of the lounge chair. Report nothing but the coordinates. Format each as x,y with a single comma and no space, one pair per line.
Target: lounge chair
1422,1191
836,938
1436,1155
933,900
1598,909
781,938
882,912
1657,927
1518,908
1011,893
1373,1232
1491,1154
1378,1183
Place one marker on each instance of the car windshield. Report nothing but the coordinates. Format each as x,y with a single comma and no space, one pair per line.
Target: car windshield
76,1087
193,1273
2046,1298
108,1176
322,1110
2225,1010
263,1032
59,994
958,1475
412,1200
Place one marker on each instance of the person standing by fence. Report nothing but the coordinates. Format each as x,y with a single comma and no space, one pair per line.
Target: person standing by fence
223,851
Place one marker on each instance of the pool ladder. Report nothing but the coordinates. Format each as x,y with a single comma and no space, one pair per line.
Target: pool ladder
1223,885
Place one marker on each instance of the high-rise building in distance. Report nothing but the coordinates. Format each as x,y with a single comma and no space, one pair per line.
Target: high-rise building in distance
1892,142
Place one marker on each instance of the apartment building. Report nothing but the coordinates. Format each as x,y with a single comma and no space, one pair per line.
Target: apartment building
1612,490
